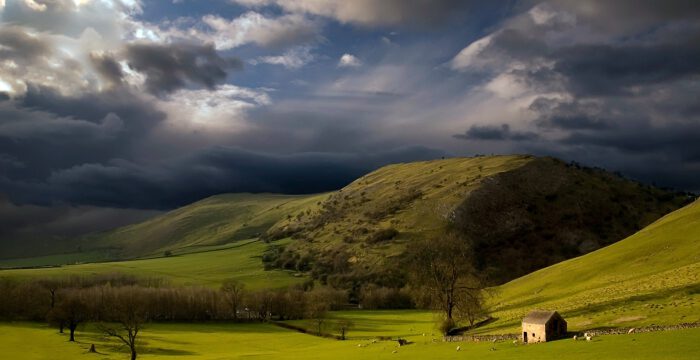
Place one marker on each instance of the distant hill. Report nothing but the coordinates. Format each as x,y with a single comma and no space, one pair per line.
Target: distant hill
519,213
216,220
651,277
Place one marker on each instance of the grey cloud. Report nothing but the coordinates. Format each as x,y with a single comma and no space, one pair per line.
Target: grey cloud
47,131
495,133
627,16
212,171
43,226
174,66
375,13
609,69
108,68
16,44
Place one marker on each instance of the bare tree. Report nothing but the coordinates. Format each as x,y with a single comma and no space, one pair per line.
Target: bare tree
72,310
129,314
234,292
442,271
321,300
343,326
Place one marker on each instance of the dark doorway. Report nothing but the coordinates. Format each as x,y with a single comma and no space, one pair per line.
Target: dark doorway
525,336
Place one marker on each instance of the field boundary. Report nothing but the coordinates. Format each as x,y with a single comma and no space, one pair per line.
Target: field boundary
593,332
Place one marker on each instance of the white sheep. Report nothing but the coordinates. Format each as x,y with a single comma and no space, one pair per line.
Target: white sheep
589,337
459,348
631,331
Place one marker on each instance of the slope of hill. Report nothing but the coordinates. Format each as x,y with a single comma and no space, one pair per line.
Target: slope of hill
520,213
215,220
651,277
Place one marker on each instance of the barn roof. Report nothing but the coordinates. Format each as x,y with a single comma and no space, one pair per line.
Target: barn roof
539,317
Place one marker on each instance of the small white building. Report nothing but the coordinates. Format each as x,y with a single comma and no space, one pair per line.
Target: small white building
541,326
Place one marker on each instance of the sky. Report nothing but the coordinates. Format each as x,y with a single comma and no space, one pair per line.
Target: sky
130,107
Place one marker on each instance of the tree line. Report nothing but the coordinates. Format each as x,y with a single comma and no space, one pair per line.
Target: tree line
441,278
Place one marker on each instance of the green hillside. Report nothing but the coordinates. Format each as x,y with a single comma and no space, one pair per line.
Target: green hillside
519,213
651,277
216,220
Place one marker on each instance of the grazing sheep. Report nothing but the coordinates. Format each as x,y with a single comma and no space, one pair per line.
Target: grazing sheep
631,331
459,348
515,342
575,337
588,337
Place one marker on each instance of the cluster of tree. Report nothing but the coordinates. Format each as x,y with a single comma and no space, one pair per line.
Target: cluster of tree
120,305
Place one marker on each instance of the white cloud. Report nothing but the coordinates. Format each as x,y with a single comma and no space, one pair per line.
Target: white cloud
34,5
348,60
223,109
470,55
365,12
291,59
253,27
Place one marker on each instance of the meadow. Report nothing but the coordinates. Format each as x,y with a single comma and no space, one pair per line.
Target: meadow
208,267
265,341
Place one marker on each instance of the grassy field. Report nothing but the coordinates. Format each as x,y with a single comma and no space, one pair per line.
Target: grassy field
652,277
239,261
261,341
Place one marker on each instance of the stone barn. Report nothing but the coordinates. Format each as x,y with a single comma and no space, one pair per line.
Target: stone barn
541,326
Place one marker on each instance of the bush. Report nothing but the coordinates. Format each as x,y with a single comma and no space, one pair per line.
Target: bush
445,325
383,235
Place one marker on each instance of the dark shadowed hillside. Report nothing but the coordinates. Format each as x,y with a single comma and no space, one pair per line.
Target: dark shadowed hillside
519,213
548,211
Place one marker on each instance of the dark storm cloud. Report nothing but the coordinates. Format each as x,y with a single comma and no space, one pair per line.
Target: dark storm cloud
495,133
208,172
47,131
174,66
26,228
568,115
108,68
642,137
613,70
621,16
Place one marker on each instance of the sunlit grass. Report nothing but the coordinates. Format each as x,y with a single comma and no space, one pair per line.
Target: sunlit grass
262,341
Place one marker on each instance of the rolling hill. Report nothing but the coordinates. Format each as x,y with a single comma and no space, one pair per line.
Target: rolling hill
651,277
518,213
217,220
